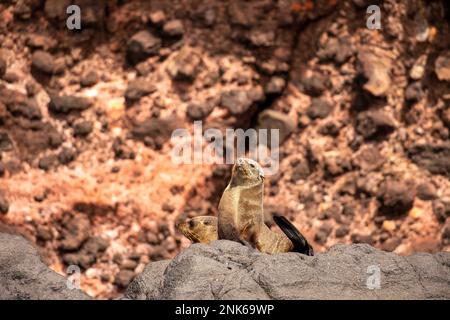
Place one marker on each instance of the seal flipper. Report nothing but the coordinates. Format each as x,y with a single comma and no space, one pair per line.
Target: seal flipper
247,236
299,241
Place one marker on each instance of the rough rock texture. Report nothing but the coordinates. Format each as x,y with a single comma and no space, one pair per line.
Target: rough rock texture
24,276
228,270
434,158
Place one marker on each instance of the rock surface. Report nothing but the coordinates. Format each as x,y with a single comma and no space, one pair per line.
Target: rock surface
43,61
2,66
376,70
435,158
137,89
442,67
228,270
271,119
142,45
67,104
24,276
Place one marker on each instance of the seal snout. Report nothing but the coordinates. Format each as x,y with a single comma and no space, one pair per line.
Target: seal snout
240,161
181,225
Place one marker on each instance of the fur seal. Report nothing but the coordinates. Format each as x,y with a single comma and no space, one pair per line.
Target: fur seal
203,229
241,214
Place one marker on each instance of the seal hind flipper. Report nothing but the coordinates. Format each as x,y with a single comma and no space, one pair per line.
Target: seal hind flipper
298,240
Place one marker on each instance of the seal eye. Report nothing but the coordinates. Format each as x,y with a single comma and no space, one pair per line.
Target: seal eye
191,224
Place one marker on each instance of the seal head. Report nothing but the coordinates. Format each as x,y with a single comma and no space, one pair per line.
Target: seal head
202,229
246,172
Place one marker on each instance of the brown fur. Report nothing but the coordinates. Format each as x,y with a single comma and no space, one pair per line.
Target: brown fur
241,211
201,229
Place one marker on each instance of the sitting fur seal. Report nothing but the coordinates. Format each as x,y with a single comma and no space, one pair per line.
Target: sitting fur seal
241,214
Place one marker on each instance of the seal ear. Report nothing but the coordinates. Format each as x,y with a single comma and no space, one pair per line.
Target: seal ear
298,240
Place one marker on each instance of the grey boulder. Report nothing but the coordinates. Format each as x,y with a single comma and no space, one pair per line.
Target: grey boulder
228,270
23,276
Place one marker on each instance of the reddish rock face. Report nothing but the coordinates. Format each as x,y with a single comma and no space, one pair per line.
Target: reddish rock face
142,45
442,66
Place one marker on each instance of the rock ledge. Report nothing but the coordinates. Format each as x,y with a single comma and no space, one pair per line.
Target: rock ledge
228,270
